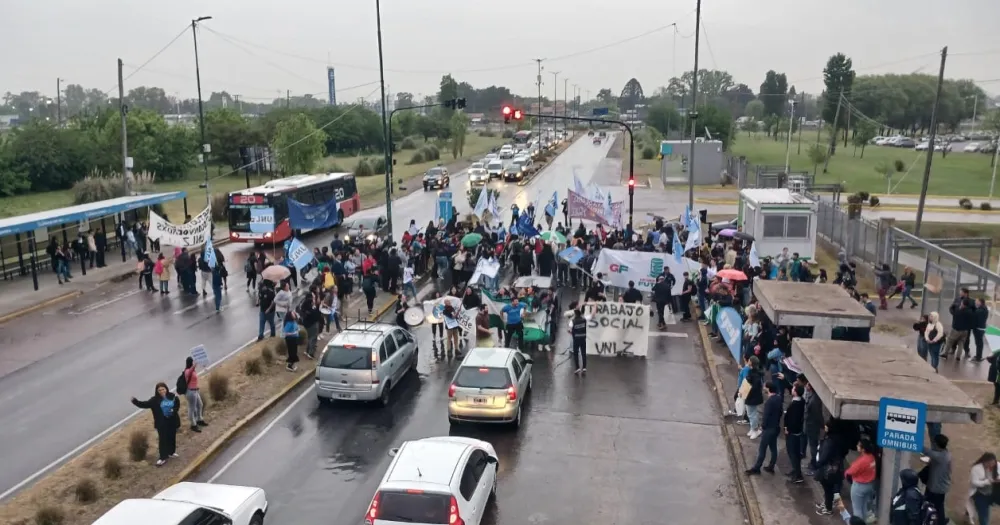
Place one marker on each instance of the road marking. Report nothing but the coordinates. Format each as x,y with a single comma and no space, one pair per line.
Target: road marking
188,308
260,435
104,303
101,435
668,334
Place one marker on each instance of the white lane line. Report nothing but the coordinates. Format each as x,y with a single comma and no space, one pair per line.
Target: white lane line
188,308
104,303
260,435
98,437
668,334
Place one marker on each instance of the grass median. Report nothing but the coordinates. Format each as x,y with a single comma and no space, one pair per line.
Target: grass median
120,466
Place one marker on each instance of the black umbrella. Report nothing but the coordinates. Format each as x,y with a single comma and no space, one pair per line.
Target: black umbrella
743,236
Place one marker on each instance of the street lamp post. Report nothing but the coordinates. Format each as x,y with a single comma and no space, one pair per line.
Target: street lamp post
389,169
385,118
205,148
788,143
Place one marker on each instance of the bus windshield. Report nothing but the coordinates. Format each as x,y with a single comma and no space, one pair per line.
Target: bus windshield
522,137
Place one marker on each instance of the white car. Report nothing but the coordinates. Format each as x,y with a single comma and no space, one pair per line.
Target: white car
490,157
922,146
507,152
188,503
434,481
479,175
972,147
495,169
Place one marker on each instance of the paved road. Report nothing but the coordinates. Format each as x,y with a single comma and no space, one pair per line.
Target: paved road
633,441
110,346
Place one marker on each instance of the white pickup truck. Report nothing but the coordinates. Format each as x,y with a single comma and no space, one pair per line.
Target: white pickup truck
184,503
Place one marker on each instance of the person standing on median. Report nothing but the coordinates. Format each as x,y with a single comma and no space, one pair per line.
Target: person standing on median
164,406
193,396
291,330
267,305
770,428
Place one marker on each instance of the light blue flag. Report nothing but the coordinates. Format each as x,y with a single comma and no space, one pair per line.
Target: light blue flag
553,205
482,204
299,254
687,216
678,249
578,185
494,207
210,254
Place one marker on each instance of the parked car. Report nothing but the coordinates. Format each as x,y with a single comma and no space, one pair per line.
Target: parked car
972,147
192,503
905,142
435,481
365,362
364,229
436,177
490,386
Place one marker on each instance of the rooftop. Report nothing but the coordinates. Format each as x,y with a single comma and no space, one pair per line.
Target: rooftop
774,196
488,357
877,371
800,300
92,210
427,461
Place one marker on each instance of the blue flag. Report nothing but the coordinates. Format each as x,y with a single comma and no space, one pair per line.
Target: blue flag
524,226
210,254
299,254
553,205
312,216
687,216
572,255
678,249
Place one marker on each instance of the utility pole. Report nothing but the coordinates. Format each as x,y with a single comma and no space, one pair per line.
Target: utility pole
205,148
239,103
59,103
386,137
565,100
802,103
555,96
693,112
930,157
833,132
975,106
288,98
791,126
123,111
576,100
847,126
539,82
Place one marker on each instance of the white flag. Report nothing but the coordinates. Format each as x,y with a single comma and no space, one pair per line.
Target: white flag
482,203
577,184
754,258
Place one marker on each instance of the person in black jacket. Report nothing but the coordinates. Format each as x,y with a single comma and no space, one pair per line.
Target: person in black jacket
908,500
770,427
631,295
830,465
794,422
981,314
165,407
963,320
661,298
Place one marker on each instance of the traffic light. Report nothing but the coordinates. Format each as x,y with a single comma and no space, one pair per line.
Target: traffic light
517,114
631,184
703,216
455,103
507,111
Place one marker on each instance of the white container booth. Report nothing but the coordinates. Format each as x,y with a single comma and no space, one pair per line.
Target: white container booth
777,219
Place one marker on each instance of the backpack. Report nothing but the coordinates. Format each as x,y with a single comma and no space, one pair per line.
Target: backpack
182,384
928,514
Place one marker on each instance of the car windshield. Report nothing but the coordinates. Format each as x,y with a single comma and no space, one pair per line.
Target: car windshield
476,166
368,224
414,506
496,165
435,172
474,377
517,163
347,358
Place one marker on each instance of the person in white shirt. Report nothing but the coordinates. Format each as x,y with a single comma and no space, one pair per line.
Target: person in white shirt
283,302
408,287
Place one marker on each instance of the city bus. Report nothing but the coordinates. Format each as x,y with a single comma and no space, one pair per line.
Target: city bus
307,189
523,137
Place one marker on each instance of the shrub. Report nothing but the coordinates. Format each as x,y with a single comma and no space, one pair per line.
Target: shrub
417,158
899,165
333,167
49,515
965,203
431,152
138,445
985,206
363,169
873,201
220,208
112,467
253,367
863,195
408,143
487,133
507,134
266,355
99,186
280,347
648,152
218,386
378,165
85,491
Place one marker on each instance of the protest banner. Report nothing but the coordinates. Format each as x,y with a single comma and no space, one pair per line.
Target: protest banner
620,266
581,207
615,329
187,235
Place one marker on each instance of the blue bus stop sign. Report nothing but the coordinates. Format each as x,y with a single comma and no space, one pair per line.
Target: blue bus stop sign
901,424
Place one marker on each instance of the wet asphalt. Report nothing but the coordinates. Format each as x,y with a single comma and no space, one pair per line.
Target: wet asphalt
635,441
117,342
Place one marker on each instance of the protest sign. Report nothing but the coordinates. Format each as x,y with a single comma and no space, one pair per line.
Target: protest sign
187,235
615,329
620,266
580,207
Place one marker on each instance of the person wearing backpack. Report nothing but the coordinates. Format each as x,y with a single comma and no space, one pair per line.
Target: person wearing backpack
907,505
187,385
164,406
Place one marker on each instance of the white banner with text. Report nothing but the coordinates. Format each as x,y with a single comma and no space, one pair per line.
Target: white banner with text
190,234
615,329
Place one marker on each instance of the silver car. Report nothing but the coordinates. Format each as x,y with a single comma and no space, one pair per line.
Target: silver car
478,176
365,362
490,386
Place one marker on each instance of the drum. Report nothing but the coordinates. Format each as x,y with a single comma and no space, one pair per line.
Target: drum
325,310
414,316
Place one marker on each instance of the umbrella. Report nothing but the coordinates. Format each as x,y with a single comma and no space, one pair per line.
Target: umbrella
471,239
728,232
732,275
743,236
550,236
276,273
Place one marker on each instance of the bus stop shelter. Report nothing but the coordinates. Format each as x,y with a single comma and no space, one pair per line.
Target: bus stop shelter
35,227
819,306
851,379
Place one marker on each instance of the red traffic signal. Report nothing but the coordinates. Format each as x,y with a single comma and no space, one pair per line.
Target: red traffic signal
507,111
631,182
517,114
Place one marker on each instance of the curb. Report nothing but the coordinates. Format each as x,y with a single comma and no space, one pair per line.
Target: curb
224,439
383,309
38,306
733,446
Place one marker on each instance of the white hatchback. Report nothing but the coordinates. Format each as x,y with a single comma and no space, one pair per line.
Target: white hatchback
436,481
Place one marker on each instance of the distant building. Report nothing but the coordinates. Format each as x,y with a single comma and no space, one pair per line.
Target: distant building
8,121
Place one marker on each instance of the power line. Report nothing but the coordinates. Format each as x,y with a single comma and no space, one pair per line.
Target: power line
711,55
262,59
152,58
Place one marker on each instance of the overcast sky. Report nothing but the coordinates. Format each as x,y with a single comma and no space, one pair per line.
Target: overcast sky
483,43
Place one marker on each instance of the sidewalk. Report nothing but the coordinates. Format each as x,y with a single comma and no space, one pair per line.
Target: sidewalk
18,296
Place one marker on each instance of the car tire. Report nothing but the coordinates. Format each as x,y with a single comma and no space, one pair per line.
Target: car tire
257,519
322,400
386,396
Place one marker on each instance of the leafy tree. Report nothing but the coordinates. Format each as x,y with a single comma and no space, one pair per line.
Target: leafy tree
46,157
664,118
459,123
404,100
863,134
737,98
755,109
606,98
817,155
297,145
887,169
448,89
751,126
712,85
838,78
774,92
227,130
719,124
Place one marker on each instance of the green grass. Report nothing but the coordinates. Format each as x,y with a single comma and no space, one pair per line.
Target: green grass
475,147
940,230
959,174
